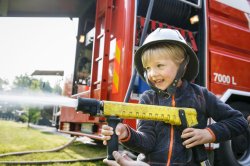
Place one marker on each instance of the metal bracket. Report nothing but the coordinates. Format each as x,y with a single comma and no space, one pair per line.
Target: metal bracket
198,5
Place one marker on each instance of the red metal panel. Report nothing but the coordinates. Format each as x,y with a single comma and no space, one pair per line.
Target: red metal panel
228,71
229,35
67,114
123,31
228,13
101,48
228,61
130,122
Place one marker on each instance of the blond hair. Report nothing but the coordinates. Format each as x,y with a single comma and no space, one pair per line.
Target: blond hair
165,50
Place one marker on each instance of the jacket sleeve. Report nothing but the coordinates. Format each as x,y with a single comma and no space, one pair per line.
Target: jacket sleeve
143,139
229,122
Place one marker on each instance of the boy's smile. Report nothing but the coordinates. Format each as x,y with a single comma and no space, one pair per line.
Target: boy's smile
161,71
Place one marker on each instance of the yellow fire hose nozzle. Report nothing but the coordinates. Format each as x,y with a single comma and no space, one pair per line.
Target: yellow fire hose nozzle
150,112
184,117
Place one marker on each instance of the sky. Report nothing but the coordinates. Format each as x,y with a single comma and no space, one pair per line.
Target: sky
29,44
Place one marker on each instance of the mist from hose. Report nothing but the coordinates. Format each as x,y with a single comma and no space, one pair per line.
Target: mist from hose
34,100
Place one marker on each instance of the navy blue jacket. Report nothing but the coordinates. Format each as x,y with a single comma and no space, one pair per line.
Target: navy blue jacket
152,138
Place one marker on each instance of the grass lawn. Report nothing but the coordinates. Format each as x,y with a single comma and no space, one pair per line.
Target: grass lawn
16,137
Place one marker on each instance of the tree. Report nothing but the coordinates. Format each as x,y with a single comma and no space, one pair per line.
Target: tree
22,82
35,85
27,83
3,83
57,89
45,86
33,115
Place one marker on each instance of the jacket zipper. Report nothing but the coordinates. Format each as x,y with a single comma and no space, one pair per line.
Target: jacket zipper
171,136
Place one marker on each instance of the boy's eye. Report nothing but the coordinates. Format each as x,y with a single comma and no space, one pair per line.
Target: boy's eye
160,65
147,68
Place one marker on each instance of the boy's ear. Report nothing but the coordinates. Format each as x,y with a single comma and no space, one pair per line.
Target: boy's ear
145,75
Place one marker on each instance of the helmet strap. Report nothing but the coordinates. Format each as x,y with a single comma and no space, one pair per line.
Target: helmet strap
180,73
172,88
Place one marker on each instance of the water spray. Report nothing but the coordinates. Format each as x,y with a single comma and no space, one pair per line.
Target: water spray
40,100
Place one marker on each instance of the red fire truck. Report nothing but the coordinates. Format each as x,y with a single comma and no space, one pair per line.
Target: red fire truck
110,32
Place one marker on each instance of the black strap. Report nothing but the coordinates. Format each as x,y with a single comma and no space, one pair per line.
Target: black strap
172,88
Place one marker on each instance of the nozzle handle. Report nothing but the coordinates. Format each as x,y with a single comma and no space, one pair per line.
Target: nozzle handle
113,142
200,153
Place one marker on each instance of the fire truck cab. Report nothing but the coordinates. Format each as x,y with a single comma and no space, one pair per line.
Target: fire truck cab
109,33
218,31
111,30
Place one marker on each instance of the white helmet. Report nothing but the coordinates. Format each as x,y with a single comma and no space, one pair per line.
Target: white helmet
163,35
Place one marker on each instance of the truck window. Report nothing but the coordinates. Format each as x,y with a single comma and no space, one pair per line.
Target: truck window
84,68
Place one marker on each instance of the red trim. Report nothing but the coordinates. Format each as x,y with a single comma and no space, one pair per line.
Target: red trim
173,101
171,136
142,20
153,25
171,145
160,24
191,37
212,133
182,33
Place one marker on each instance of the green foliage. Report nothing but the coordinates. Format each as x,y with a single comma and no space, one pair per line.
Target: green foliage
45,87
25,82
34,114
22,82
23,118
47,112
35,85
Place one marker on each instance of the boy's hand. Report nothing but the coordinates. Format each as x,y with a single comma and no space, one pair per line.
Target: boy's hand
195,137
248,120
123,160
107,131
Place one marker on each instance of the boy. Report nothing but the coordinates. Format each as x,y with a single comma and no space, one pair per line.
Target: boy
168,65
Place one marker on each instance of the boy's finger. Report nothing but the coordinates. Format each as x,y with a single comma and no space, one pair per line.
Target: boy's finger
187,130
107,132
189,141
126,157
106,138
187,135
118,157
110,162
106,127
116,154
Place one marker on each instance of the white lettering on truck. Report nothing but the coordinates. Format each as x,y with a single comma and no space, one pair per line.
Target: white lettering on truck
225,79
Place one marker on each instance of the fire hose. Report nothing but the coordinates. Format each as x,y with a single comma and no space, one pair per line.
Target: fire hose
39,151
114,111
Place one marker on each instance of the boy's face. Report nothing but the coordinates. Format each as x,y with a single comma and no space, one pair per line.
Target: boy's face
161,71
